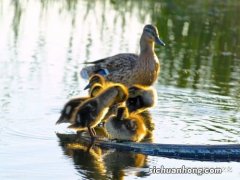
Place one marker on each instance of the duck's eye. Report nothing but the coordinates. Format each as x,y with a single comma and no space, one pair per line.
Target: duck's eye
150,32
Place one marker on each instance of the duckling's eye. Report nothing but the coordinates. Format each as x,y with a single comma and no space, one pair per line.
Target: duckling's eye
132,101
130,125
78,118
68,109
138,101
92,106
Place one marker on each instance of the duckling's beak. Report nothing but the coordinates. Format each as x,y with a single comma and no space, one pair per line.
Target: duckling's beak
87,87
158,41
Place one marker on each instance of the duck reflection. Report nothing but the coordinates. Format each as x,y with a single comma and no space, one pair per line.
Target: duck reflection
117,164
88,161
96,162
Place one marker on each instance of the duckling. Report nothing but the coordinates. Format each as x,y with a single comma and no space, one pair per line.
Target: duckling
95,78
140,98
128,127
128,68
69,107
90,113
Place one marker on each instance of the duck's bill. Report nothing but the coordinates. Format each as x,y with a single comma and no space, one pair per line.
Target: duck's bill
158,41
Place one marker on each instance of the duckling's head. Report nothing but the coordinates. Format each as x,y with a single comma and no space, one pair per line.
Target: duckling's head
122,93
95,90
69,108
140,98
95,78
150,34
130,129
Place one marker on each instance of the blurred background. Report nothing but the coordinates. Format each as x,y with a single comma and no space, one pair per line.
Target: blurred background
44,43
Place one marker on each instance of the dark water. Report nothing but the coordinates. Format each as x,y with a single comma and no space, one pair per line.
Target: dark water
42,46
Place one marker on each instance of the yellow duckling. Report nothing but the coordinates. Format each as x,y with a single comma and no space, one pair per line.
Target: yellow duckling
128,127
90,113
95,78
128,68
140,98
70,106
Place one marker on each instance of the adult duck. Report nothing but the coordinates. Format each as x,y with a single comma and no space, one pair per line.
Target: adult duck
128,68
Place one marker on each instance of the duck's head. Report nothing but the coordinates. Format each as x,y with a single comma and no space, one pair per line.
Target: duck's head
122,93
150,34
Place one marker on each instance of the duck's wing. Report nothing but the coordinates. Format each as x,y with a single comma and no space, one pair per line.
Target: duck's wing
109,64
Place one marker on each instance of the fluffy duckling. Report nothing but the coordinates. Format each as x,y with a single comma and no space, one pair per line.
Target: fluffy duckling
70,106
129,127
90,113
140,98
128,68
95,78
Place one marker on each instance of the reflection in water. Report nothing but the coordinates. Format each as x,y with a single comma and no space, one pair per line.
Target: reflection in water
204,51
98,163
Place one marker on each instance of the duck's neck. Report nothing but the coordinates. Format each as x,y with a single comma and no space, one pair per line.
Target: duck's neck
146,46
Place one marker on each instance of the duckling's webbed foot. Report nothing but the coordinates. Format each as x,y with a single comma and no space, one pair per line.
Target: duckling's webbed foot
92,133
90,146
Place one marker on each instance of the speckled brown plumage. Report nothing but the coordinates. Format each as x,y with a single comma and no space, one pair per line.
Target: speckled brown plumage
128,68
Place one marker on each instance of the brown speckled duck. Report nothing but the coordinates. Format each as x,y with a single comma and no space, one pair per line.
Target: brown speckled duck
127,68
